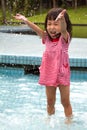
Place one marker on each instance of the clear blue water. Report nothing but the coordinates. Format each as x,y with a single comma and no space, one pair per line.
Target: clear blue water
23,104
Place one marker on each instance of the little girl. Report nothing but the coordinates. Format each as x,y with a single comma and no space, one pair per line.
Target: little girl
55,68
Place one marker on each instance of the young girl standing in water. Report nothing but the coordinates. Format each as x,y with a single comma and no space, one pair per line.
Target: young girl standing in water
55,68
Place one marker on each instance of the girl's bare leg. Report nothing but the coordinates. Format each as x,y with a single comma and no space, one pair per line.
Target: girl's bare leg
65,100
51,98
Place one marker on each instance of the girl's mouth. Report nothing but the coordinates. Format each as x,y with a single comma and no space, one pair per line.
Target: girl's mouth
55,34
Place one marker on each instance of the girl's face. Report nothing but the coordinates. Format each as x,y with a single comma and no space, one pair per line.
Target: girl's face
53,28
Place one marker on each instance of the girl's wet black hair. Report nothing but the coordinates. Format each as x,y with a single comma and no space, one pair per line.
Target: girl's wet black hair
52,15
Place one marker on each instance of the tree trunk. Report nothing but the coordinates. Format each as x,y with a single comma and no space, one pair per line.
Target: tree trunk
3,11
76,4
54,3
40,6
86,2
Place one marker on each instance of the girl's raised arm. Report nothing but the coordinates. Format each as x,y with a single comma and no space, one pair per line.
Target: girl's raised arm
63,24
37,29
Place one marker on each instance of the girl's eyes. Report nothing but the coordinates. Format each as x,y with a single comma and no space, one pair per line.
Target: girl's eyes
48,24
55,24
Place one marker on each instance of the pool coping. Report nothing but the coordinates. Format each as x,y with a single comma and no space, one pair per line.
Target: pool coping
36,60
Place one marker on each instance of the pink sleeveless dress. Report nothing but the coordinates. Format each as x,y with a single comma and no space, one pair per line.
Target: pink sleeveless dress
55,68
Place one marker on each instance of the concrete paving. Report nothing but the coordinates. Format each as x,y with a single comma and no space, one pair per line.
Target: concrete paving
30,45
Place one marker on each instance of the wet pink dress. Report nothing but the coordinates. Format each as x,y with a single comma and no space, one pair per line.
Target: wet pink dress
55,68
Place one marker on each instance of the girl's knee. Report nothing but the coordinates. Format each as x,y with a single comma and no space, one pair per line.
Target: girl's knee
51,110
51,105
50,102
65,103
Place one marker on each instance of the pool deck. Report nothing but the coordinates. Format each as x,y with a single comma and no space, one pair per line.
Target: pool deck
27,49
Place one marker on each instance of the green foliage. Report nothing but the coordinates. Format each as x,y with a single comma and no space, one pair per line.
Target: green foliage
30,6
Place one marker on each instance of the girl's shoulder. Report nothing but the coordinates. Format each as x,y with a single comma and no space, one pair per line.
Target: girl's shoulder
45,37
64,41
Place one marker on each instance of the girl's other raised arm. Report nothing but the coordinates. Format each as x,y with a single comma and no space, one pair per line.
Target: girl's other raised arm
63,25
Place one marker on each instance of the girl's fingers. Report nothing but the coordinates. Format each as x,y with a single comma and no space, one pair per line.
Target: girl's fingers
19,17
63,11
60,15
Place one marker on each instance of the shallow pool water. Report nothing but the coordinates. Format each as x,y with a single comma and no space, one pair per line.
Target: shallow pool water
23,104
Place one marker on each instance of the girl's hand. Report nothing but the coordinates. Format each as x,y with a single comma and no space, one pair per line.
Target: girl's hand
61,15
20,17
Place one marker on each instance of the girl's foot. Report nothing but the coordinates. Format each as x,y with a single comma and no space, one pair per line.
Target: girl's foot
69,120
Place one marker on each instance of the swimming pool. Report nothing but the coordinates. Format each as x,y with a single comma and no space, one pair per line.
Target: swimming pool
23,103
23,100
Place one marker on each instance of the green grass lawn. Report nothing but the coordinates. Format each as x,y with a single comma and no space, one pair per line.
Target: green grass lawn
78,16
79,31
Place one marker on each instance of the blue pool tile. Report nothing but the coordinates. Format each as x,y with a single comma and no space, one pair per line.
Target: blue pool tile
32,60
